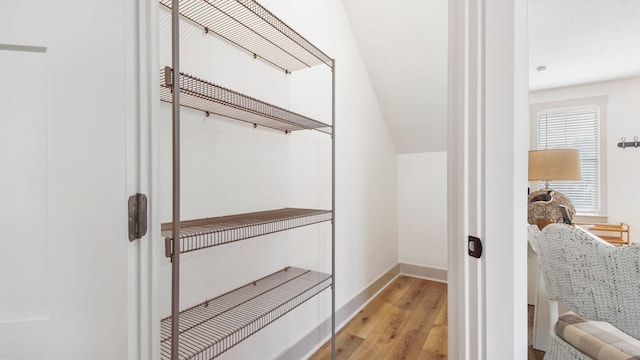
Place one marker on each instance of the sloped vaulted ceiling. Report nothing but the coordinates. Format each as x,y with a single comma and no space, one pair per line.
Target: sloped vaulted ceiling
404,47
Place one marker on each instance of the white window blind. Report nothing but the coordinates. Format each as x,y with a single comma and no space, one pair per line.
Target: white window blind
576,129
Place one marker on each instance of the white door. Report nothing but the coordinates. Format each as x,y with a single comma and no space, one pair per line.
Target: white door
71,124
487,146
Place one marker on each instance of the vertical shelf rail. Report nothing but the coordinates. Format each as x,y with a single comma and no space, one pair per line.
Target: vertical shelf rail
175,258
333,209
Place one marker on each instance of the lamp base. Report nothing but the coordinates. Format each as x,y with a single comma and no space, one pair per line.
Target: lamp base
548,210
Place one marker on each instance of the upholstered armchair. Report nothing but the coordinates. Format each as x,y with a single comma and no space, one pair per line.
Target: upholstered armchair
600,284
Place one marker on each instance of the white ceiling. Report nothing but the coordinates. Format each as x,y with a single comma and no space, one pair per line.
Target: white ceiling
583,41
404,47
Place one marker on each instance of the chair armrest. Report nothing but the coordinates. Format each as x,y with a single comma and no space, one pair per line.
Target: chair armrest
594,279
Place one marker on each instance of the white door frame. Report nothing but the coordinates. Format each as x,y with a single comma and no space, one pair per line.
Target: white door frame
142,96
487,146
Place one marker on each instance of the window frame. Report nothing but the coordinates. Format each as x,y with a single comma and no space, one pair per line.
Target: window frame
600,102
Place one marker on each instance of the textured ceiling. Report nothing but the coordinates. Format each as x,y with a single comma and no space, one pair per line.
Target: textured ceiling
404,46
583,41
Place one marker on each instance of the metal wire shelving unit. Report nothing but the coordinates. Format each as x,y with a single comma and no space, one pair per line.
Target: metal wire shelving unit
255,29
212,327
202,95
204,233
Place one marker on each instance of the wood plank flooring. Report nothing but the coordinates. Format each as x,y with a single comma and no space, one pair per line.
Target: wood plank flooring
532,353
407,320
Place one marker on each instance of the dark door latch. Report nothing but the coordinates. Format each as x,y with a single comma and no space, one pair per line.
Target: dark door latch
475,247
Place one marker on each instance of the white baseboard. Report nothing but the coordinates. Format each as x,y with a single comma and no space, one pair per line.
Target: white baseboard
439,275
318,336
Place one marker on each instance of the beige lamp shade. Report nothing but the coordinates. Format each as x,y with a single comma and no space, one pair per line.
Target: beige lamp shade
554,164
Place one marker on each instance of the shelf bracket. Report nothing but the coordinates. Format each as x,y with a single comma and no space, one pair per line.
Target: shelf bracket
137,216
168,76
168,247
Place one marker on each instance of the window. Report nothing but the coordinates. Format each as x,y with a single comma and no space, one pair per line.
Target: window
576,124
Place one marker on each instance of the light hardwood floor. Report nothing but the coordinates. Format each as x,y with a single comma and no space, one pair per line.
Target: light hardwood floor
407,320
532,353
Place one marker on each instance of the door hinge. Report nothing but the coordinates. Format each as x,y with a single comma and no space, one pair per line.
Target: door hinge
137,216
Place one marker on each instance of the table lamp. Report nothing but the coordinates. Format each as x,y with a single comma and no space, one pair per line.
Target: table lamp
547,165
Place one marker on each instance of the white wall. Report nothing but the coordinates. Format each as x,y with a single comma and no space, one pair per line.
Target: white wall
230,167
422,209
366,161
623,120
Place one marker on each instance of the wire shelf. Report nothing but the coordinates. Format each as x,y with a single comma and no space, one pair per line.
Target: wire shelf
253,28
203,233
214,326
202,95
